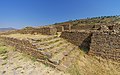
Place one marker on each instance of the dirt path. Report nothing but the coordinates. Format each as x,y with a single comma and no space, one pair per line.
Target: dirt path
16,63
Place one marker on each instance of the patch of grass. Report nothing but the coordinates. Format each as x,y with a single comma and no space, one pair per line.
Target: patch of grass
46,65
3,50
46,57
29,57
4,63
59,44
2,43
2,55
5,57
53,41
12,48
33,58
18,67
74,70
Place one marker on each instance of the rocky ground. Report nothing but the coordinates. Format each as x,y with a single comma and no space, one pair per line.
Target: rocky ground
13,62
16,63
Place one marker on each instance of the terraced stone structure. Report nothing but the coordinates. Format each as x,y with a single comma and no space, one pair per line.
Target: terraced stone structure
45,30
79,38
49,49
61,52
39,30
82,27
106,45
103,42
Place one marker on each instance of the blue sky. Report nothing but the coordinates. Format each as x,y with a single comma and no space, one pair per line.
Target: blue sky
21,13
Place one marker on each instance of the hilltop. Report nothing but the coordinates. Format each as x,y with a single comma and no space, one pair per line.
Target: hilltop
94,20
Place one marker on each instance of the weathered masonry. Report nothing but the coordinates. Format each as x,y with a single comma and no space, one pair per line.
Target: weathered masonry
104,42
106,45
99,40
79,38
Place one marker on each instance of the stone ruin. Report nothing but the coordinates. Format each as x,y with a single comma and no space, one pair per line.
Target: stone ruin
46,30
106,45
39,30
99,40
63,27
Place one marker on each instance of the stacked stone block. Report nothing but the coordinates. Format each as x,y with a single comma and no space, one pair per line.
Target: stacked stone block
23,46
106,45
103,43
59,28
41,30
82,27
81,39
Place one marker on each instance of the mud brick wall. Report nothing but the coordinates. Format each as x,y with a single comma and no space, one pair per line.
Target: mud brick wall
82,27
81,39
106,45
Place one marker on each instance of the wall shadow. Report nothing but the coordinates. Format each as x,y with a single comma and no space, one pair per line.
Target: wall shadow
85,46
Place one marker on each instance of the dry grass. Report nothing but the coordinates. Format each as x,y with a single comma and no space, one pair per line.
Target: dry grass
3,49
25,36
22,64
87,65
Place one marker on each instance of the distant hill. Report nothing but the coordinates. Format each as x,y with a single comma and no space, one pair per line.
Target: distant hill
6,29
94,20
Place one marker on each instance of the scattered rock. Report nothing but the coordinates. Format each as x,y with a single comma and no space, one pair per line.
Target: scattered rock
48,54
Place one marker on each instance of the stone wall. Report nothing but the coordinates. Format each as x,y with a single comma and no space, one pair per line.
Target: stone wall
106,45
99,40
63,27
41,30
82,27
30,30
59,28
23,46
67,27
81,39
96,27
